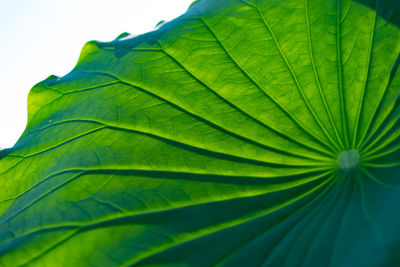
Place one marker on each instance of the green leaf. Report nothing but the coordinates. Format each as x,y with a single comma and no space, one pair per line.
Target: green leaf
243,133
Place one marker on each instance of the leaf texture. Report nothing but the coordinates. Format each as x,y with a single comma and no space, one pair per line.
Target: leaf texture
243,133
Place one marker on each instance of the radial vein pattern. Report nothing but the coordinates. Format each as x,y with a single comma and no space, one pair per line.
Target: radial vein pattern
243,133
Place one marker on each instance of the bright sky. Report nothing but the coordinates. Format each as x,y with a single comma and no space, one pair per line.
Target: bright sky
44,37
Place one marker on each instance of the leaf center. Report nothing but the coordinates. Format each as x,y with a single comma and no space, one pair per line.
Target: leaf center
349,159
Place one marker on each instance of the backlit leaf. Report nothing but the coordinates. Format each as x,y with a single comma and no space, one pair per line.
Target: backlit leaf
243,133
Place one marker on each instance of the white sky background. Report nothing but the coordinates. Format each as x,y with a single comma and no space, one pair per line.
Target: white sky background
44,37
